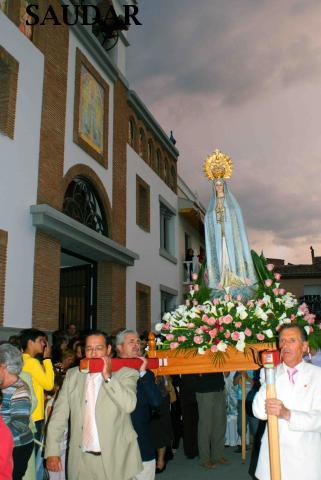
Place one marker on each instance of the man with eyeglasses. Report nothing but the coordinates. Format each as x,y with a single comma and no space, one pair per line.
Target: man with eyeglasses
103,444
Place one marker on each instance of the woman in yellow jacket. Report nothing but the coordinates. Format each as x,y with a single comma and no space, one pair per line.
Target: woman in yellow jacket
33,342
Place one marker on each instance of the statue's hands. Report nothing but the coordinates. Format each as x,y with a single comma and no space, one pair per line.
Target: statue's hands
273,406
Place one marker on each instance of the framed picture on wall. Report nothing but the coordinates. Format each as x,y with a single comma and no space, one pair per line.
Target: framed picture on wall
91,110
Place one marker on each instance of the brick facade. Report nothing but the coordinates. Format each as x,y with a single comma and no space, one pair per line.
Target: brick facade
53,42
9,68
46,282
147,146
3,268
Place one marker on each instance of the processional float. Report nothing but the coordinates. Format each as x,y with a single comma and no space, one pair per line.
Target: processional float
234,306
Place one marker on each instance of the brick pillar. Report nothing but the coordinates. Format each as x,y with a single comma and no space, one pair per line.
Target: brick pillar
104,296
46,283
53,42
3,267
119,201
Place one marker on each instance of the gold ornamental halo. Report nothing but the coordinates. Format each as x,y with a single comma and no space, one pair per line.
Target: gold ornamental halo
218,165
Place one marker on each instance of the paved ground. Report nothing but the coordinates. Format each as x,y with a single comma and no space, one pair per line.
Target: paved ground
181,468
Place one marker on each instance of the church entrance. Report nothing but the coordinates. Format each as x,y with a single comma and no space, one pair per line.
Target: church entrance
78,292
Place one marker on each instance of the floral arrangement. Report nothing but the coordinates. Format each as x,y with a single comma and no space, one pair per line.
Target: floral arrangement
216,324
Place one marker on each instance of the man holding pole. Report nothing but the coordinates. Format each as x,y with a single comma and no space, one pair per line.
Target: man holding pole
297,407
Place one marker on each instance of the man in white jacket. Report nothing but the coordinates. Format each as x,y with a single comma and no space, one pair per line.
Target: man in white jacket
298,408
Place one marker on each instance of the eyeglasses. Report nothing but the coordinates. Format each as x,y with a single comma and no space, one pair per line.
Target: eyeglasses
96,348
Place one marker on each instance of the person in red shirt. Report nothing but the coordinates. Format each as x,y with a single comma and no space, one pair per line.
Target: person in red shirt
6,447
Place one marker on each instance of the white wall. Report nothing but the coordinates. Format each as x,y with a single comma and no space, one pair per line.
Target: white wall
19,175
73,153
151,269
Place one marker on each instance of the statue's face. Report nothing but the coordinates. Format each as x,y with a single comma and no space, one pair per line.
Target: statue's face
219,187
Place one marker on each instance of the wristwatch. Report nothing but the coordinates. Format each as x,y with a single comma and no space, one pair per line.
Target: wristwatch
108,379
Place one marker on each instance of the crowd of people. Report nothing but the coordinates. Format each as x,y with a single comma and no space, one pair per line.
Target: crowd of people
58,423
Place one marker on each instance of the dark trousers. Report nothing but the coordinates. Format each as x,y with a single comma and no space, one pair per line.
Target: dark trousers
190,421
21,457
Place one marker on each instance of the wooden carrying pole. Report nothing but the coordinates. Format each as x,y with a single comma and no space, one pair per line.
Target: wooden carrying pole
243,418
273,430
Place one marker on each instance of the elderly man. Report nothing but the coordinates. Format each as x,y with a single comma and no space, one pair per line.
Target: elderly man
16,407
148,396
103,444
298,408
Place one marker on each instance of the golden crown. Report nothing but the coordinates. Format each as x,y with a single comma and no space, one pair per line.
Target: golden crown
218,165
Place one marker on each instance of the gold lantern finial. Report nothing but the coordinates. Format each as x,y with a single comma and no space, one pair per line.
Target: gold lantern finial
218,165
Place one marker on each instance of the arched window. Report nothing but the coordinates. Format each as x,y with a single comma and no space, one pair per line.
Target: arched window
141,146
173,178
158,161
165,171
131,132
82,203
150,153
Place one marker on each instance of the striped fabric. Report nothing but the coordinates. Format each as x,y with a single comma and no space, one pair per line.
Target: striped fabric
15,411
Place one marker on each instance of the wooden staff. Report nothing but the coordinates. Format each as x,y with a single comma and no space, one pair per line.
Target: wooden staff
243,437
273,428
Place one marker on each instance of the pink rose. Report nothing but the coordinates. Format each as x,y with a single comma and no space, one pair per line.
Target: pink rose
268,282
227,334
194,276
311,329
235,336
277,276
173,345
195,302
169,337
204,318
166,326
221,329
250,303
228,319
182,338
227,298
270,267
198,339
310,318
247,332
292,317
213,333
196,287
281,291
213,348
191,325
199,331
211,321
260,302
260,336
276,291
205,328
239,298
216,301
238,324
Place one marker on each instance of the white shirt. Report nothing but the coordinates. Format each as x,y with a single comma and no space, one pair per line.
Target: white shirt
98,380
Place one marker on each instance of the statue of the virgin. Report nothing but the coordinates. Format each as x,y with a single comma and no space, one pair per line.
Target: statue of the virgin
229,261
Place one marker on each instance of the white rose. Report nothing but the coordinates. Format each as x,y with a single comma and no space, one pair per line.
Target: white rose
307,329
158,327
240,345
267,299
201,350
286,320
167,317
229,305
268,333
221,346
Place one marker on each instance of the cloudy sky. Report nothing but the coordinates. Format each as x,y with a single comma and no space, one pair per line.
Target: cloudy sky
243,76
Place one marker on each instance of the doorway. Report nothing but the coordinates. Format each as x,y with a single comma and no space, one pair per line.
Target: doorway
78,292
